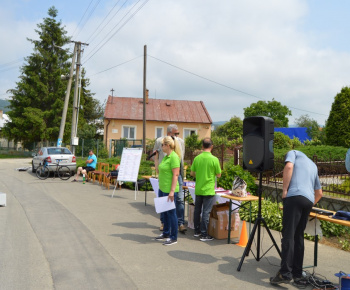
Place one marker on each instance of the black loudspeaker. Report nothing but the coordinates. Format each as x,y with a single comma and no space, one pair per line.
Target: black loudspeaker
258,135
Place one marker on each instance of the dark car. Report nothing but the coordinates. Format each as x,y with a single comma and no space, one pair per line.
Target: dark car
54,154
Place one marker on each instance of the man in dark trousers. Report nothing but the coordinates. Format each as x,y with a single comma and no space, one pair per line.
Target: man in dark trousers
301,190
205,168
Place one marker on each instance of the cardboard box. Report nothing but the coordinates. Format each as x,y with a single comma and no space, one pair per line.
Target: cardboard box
218,222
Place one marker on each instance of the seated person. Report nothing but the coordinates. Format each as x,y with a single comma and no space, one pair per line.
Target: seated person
114,173
90,166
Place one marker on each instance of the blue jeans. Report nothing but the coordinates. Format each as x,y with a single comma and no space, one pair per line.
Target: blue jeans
205,201
179,203
169,219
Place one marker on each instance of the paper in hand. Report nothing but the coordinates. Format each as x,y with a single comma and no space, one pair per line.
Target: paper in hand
162,204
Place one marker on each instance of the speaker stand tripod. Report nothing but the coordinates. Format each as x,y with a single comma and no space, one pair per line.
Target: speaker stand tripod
257,226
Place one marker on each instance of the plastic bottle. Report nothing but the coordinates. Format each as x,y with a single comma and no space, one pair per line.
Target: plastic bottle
83,178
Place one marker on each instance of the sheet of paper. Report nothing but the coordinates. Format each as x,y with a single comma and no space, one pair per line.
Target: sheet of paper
155,185
161,204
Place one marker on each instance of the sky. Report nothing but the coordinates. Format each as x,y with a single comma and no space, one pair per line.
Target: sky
227,53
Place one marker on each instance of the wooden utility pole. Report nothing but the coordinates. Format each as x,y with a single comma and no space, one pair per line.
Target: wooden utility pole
144,97
76,53
66,100
75,100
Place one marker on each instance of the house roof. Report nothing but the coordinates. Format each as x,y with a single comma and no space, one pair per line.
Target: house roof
122,108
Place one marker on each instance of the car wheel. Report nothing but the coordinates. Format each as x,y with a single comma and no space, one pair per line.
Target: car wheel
33,169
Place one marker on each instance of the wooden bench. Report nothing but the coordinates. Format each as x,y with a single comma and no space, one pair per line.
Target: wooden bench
327,218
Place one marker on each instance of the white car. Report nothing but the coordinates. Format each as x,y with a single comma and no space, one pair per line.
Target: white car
53,155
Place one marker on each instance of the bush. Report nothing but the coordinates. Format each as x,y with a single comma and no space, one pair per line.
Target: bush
331,229
282,141
322,152
313,142
270,211
229,173
296,142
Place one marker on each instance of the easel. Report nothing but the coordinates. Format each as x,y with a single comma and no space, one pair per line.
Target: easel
257,225
129,167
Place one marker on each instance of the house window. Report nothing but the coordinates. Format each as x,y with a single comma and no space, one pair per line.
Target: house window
159,132
129,132
189,132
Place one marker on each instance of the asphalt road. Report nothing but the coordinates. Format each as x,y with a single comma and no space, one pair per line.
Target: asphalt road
57,234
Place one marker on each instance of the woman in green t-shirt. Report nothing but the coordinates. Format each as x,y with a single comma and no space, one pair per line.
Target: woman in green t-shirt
169,170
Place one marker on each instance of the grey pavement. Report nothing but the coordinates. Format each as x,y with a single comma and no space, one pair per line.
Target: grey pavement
57,234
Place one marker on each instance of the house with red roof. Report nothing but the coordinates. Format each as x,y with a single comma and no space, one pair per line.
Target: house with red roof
123,118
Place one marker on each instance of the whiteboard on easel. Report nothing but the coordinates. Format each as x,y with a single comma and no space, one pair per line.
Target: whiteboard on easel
130,164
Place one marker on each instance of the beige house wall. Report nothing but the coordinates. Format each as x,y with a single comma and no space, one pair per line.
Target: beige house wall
113,129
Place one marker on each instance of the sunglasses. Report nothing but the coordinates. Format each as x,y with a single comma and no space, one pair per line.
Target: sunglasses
176,134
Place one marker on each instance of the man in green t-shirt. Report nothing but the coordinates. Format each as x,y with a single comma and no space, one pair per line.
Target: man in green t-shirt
205,168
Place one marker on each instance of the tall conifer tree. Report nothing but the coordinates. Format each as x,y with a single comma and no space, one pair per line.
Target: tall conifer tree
338,124
37,101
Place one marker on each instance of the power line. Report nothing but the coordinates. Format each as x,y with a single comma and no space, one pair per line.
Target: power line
226,86
7,69
96,47
116,66
12,62
82,17
92,11
10,65
131,16
105,19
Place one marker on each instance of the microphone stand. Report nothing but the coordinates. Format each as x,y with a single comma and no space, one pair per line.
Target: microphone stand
257,226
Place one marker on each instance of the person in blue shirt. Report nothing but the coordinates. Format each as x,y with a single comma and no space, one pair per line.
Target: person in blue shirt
301,190
91,163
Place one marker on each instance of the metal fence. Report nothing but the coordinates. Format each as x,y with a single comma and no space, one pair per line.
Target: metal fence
116,146
81,150
334,178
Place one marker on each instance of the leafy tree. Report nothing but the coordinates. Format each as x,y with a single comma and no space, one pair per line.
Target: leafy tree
337,127
92,109
313,128
37,101
273,109
232,129
90,113
192,143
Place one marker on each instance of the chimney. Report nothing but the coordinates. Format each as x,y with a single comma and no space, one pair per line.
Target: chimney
147,92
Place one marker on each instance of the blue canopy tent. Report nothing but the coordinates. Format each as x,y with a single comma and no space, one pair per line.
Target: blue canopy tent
299,132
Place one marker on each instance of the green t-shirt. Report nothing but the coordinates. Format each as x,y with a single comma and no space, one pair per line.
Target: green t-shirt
166,173
206,167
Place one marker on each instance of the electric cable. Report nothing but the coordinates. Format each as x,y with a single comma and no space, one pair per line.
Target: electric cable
98,48
104,20
12,62
92,11
226,86
10,65
82,17
125,62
